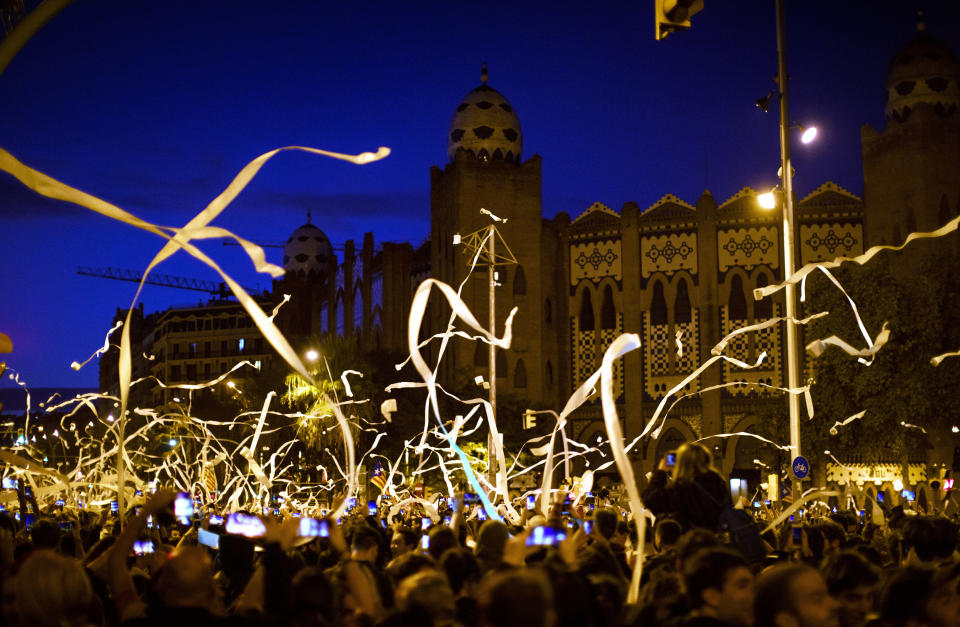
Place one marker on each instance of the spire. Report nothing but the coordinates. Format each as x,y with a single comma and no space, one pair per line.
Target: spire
483,73
921,22
308,217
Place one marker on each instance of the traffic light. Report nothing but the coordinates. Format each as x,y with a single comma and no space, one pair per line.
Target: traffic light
529,419
672,15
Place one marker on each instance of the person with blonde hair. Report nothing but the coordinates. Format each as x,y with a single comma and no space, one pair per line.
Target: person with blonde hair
53,590
696,493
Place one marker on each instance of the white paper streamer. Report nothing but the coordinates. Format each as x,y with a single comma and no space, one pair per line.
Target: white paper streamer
99,351
845,422
801,274
936,361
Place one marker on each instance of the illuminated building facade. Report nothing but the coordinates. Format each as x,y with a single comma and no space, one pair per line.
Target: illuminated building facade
680,273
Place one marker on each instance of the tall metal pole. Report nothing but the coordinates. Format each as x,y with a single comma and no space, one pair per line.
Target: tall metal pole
491,247
789,254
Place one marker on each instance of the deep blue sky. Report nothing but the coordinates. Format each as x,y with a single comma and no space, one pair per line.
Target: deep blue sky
154,106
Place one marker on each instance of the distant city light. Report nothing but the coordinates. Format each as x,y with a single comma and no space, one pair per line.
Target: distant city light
173,442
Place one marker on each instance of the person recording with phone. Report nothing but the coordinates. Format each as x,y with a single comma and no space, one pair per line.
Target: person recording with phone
690,490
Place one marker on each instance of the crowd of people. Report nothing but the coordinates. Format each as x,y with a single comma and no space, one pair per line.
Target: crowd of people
432,568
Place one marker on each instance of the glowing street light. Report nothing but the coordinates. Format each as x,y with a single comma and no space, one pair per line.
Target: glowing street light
312,355
768,200
808,134
172,442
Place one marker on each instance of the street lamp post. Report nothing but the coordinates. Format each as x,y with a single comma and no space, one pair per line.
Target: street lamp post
789,253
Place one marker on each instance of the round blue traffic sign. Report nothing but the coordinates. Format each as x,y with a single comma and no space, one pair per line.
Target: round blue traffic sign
801,467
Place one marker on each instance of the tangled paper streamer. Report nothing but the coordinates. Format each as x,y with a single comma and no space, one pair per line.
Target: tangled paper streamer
842,423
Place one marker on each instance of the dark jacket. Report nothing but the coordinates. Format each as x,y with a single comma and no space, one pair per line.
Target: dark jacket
695,503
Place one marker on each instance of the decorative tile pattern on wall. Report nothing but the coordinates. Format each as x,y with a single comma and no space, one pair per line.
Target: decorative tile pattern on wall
822,242
584,353
668,254
748,247
747,347
607,336
587,356
595,260
662,368
690,338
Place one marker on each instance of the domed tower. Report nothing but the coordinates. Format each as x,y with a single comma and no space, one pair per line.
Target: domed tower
911,168
310,264
486,126
307,253
485,171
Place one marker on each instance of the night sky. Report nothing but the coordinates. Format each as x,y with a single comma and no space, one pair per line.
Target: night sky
154,106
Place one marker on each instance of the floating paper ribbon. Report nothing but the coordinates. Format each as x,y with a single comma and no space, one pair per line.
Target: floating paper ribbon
845,422
801,274
907,425
679,343
617,348
195,229
346,384
936,361
722,344
745,434
99,351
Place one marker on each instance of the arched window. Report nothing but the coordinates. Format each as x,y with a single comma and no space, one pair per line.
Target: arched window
519,282
737,305
548,373
481,355
658,307
519,375
501,365
762,309
586,312
358,308
340,314
548,312
608,312
682,311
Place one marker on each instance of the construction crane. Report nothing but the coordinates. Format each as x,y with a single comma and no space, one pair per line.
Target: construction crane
219,290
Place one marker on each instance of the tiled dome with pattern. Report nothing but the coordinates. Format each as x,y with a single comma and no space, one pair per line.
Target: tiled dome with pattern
307,252
923,71
486,125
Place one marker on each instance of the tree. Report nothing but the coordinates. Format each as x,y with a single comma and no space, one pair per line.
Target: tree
916,297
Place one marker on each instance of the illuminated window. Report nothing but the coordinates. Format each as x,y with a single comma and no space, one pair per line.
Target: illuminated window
240,344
